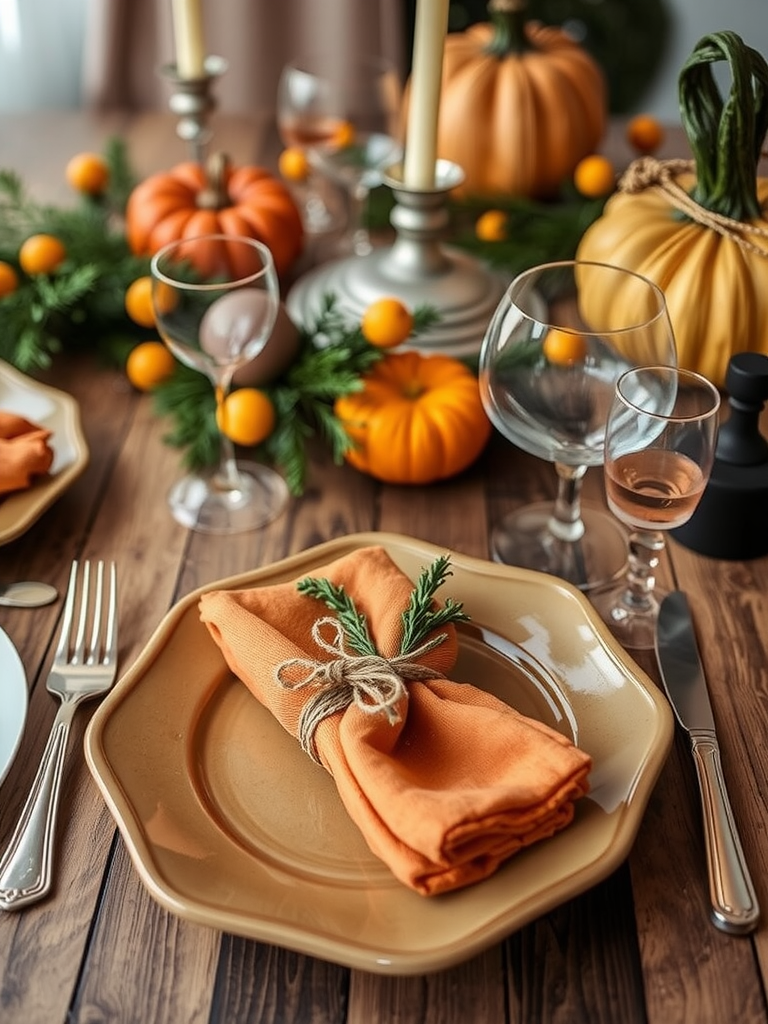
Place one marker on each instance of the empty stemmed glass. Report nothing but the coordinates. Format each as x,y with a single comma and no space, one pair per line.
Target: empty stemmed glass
356,162
560,338
216,299
659,449
344,112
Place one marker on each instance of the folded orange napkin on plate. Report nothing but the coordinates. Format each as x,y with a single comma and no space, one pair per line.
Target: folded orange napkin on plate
24,452
446,781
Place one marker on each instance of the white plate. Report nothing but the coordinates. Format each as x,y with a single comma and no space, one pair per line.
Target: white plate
13,702
59,413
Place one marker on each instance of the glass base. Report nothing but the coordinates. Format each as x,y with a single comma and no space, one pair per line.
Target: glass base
598,557
200,504
633,624
321,212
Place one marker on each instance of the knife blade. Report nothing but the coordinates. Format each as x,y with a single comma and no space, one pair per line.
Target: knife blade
734,903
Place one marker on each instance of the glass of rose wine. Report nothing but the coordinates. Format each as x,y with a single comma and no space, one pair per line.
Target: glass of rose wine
659,448
343,112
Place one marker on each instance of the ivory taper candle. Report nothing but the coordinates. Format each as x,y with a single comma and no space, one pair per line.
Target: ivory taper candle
190,42
424,105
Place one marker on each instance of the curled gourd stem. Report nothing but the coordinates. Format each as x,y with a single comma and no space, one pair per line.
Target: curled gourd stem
214,195
509,37
725,135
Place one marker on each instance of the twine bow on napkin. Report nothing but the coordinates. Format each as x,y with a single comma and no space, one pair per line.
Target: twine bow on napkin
375,685
444,780
24,452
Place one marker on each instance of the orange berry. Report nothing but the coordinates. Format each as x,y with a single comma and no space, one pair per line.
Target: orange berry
149,364
141,300
88,173
138,302
387,323
645,133
293,164
9,279
343,135
247,416
42,254
594,176
564,347
491,226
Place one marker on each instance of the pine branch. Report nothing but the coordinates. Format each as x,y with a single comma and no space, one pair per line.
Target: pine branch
336,598
420,618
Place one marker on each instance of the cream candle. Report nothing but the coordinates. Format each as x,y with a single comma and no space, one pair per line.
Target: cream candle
190,43
426,71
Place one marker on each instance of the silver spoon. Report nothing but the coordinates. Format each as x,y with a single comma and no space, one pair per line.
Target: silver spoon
27,595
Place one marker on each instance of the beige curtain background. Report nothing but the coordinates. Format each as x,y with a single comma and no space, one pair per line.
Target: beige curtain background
126,41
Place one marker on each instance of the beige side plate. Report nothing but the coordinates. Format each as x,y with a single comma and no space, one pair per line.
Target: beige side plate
60,413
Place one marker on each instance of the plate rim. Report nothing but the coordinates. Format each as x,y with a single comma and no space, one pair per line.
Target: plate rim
357,955
27,506
7,645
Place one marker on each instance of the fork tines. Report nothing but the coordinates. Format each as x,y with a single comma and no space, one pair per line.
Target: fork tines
97,605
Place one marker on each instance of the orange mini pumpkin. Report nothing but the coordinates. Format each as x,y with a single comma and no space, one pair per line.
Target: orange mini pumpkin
191,200
417,419
521,104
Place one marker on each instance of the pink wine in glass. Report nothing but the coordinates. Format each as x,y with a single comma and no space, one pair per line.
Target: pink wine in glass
653,488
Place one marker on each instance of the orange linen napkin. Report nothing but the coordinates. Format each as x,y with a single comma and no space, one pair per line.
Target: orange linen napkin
447,792
24,452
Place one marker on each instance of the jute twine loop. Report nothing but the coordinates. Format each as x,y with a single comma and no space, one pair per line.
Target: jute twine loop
372,683
648,172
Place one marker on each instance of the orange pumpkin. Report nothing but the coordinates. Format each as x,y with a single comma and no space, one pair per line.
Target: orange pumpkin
520,104
417,419
191,200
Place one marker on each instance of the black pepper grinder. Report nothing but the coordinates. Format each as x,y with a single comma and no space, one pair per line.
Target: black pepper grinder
731,520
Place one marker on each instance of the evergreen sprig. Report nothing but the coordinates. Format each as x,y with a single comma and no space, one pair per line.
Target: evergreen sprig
81,305
338,600
419,619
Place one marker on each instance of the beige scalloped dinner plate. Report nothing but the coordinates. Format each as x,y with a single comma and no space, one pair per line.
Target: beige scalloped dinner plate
230,825
59,412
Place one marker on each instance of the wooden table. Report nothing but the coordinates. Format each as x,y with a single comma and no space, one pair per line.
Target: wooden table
636,948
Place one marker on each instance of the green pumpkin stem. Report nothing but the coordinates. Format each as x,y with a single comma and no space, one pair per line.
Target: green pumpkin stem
726,136
508,18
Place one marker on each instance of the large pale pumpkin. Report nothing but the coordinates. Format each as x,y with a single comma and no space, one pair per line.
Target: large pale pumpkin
192,200
703,236
520,104
418,418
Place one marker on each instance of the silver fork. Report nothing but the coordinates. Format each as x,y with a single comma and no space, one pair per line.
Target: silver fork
78,673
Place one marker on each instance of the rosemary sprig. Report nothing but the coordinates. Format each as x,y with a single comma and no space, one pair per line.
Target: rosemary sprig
420,618
339,601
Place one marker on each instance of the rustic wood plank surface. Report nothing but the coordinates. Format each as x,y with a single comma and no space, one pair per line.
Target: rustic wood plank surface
638,948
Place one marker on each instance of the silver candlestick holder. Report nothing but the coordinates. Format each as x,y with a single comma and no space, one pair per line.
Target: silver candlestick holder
418,268
192,99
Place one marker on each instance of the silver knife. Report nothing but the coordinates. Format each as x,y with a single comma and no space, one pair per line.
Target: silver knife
734,903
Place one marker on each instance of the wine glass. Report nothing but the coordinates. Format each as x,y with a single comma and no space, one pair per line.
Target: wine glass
356,162
659,449
344,112
560,338
216,299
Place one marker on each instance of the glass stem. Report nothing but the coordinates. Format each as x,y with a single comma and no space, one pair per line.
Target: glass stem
645,548
227,477
361,241
566,522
